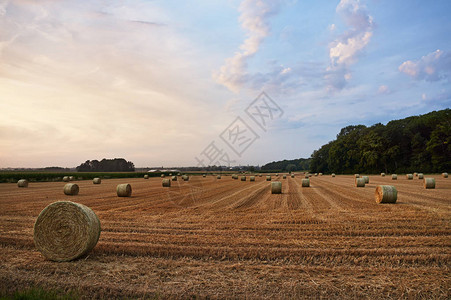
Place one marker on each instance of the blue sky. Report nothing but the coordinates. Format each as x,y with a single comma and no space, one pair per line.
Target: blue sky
156,82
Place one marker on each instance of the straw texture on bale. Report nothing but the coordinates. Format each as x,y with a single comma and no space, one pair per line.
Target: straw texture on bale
268,178
284,176
305,182
124,190
445,175
71,178
22,183
146,176
276,187
409,176
218,177
97,180
429,183
66,230
420,176
360,182
394,176
367,179
66,178
174,178
166,183
252,178
386,194
243,178
383,174
333,174
71,189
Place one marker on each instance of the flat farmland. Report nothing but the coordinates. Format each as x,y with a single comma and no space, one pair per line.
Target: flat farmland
225,238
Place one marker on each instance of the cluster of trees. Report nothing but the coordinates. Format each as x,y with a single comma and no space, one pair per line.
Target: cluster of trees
418,143
299,164
107,165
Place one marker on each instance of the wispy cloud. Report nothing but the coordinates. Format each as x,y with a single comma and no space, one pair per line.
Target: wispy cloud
345,49
432,67
254,19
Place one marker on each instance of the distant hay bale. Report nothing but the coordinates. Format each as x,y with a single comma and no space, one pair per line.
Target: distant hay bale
234,176
65,231
71,189
259,175
360,182
162,175
383,174
307,175
276,187
305,182
356,176
22,183
316,174
268,178
174,178
170,174
277,174
252,178
445,175
310,175
429,183
146,176
204,175
243,178
185,178
320,174
333,174
420,175
386,194
284,176
166,182
178,174
218,177
367,179
71,178
66,178
97,180
394,176
415,174
292,175
409,176
124,190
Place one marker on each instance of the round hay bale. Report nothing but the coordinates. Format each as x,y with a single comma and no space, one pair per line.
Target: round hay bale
383,174
243,178
415,174
429,183
445,175
320,174
316,174
292,175
277,174
367,179
218,177
360,182
178,174
268,178
204,175
276,187
66,178
162,175
71,189
124,190
409,176
310,175
333,174
394,176
66,230
174,178
386,194
22,183
284,176
420,176
305,182
259,175
252,178
71,178
307,176
185,178
166,183
146,176
170,174
356,175
97,180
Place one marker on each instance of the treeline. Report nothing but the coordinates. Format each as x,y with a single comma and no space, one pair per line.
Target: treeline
418,143
285,165
107,165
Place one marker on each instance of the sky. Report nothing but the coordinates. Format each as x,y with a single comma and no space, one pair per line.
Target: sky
232,82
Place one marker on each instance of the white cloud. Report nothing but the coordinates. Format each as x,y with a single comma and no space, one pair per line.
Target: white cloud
432,67
345,49
383,89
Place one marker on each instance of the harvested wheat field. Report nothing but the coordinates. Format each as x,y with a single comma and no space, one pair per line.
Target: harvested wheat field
234,239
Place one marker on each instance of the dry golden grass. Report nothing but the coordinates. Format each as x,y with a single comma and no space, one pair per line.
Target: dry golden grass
230,239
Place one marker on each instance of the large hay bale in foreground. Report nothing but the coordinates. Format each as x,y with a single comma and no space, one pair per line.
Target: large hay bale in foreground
22,183
252,178
71,189
174,178
66,178
124,190
146,176
409,176
97,180
394,176
386,194
276,187
166,183
429,183
66,230
360,182
367,179
420,176
268,178
305,182
445,175
243,178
